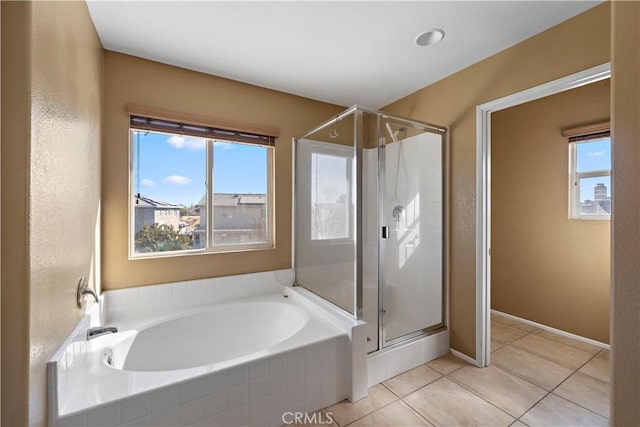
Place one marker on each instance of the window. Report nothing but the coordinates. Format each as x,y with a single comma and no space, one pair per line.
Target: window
590,178
198,189
330,196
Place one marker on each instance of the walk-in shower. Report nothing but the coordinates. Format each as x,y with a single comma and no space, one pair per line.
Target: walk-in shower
370,221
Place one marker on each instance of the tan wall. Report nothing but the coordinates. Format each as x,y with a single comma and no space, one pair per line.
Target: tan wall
134,80
625,108
16,24
546,267
54,187
575,45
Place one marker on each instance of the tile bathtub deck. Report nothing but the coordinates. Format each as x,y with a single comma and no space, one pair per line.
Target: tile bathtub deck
536,378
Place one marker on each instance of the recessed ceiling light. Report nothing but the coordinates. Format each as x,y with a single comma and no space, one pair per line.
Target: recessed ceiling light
430,37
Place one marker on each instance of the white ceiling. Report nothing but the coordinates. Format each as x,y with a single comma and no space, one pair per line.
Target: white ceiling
346,53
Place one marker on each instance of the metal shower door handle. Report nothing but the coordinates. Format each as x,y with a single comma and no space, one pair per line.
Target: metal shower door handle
385,232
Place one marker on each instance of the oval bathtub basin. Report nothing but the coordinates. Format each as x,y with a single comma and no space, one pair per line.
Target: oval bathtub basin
216,335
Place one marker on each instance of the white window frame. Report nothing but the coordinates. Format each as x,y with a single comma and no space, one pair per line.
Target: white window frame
574,182
209,248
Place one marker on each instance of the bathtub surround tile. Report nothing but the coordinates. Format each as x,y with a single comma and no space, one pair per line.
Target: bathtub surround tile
217,421
180,295
277,382
258,369
304,380
556,411
506,391
79,420
412,380
444,402
164,398
295,396
191,412
148,299
194,293
277,403
312,384
104,416
134,408
209,291
587,392
163,297
215,383
166,418
215,403
533,368
237,376
395,414
295,376
295,359
347,412
140,422
277,364
258,389
237,396
157,299
259,410
447,364
191,390
554,351
313,355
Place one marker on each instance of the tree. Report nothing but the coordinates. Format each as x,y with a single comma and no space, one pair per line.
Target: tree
160,238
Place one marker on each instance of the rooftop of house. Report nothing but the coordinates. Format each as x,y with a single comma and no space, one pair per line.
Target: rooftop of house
146,201
235,199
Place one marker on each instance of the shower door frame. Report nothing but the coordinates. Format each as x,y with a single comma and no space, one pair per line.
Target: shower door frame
383,343
358,172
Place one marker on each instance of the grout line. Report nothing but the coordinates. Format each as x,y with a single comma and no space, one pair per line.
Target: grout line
552,329
580,406
465,387
369,413
569,400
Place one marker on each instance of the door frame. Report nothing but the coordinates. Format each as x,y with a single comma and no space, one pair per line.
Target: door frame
483,190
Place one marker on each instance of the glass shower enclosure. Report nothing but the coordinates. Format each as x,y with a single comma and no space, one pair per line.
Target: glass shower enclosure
370,226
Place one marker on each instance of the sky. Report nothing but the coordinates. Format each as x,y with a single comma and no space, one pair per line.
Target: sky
593,155
172,168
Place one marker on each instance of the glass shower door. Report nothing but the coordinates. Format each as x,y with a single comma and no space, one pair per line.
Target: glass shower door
412,217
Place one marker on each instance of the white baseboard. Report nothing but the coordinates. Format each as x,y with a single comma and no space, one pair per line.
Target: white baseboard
464,357
550,329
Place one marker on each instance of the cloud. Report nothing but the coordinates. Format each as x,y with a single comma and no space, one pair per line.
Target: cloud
147,183
189,143
596,153
176,180
225,145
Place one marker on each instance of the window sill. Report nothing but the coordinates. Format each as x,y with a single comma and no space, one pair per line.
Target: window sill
196,252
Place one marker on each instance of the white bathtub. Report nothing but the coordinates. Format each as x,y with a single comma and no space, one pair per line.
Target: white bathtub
236,363
208,337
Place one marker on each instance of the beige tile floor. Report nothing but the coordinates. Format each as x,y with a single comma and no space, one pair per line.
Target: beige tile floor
536,378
